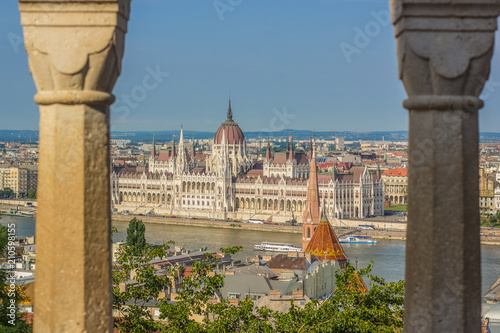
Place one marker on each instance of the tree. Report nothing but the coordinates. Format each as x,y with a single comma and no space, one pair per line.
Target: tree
31,194
11,320
7,192
351,308
136,237
131,301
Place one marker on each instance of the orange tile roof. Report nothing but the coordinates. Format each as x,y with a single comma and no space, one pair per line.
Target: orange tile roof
401,172
324,242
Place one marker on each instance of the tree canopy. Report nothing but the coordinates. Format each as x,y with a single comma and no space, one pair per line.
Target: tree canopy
351,308
136,236
11,320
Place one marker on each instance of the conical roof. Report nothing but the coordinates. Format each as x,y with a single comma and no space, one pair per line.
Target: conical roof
324,244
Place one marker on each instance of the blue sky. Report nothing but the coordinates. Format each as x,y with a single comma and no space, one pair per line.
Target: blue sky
281,60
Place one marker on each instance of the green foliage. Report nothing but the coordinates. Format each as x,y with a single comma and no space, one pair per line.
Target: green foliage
7,192
136,236
397,208
31,194
11,320
490,220
131,302
351,308
4,239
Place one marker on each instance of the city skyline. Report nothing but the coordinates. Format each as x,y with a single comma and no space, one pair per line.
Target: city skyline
327,65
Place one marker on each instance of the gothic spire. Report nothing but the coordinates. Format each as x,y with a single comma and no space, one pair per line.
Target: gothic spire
172,152
153,150
268,150
291,154
229,112
311,215
181,139
193,149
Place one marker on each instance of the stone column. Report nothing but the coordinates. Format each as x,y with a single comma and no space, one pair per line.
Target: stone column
444,50
74,49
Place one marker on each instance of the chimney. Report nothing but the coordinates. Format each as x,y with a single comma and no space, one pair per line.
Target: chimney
274,294
123,287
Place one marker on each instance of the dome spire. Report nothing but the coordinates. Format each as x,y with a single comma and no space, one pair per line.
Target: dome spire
229,112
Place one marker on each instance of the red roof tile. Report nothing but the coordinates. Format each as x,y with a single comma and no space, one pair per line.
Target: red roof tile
400,172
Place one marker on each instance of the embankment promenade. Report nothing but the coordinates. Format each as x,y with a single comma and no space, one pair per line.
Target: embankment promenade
489,236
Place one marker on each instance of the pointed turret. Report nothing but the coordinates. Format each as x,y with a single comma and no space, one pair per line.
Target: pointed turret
172,152
310,152
268,150
324,243
291,154
181,160
153,150
193,149
229,112
311,214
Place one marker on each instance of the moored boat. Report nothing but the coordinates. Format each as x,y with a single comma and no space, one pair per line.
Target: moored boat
277,247
357,240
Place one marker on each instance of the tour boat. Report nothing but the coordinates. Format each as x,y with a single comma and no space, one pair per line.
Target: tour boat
358,240
278,247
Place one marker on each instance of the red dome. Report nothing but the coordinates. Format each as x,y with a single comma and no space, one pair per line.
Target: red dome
232,132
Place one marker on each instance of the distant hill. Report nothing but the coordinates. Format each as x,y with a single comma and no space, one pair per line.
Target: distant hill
18,136
164,136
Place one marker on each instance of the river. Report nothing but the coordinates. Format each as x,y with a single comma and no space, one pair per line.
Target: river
388,255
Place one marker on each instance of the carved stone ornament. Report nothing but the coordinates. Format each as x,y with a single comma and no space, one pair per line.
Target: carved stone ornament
74,48
444,48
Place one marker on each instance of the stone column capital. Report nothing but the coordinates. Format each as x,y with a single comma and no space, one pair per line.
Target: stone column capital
445,46
74,48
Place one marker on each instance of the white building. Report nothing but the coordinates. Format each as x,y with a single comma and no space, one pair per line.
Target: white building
229,186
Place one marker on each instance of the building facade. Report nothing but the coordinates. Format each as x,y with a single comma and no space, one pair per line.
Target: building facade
20,179
229,185
396,185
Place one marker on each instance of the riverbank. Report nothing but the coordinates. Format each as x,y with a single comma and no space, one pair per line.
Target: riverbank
489,236
377,234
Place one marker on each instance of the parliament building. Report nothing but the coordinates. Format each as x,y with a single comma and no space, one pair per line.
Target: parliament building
229,185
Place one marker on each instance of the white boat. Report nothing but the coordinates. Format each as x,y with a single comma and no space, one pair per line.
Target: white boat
277,247
358,240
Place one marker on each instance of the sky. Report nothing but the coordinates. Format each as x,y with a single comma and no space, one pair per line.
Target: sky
287,64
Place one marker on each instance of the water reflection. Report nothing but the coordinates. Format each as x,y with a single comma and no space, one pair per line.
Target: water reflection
388,255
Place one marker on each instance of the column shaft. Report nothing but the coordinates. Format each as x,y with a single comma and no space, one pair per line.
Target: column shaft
73,223
443,290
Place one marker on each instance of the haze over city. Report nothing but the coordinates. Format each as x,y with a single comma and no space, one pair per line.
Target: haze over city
305,60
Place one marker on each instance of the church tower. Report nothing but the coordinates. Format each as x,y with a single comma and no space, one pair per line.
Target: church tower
311,214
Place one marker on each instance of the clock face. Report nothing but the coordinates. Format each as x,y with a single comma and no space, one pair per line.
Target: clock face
308,219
